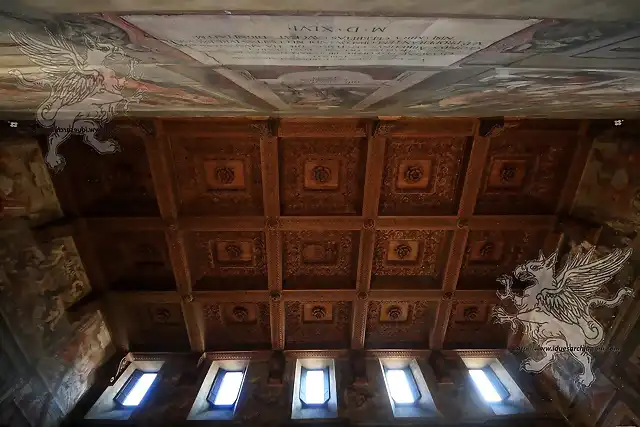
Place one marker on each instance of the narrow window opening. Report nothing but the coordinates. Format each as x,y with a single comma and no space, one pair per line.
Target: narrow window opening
488,385
226,389
136,388
314,387
402,386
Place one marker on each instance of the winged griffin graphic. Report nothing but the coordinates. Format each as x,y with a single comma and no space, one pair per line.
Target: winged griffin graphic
84,93
554,311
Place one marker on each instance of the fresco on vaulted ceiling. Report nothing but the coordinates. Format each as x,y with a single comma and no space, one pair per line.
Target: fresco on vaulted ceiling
228,64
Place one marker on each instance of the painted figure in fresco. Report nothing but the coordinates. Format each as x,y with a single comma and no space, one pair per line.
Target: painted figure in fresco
554,311
84,92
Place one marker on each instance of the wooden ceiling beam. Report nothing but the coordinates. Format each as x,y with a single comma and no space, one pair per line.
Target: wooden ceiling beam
115,224
273,235
238,223
160,161
300,223
416,223
311,223
578,162
400,294
319,295
512,222
469,195
231,296
376,148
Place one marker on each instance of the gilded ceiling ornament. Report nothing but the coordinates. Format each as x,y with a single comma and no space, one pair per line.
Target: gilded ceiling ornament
413,173
275,296
403,251
319,312
240,313
233,251
470,313
321,174
225,175
394,312
507,173
487,249
161,315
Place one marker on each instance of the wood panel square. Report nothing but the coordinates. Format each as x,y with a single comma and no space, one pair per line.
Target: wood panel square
486,251
233,252
409,259
156,327
322,176
135,260
227,260
490,254
118,184
470,326
237,326
394,312
508,174
320,259
525,172
325,253
318,312
218,175
414,174
302,334
224,174
240,313
423,176
403,251
399,324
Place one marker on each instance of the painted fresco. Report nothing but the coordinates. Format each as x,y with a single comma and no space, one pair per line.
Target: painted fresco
300,89
516,92
546,37
610,186
49,359
192,65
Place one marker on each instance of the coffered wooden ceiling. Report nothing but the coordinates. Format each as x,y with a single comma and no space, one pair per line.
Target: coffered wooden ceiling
248,234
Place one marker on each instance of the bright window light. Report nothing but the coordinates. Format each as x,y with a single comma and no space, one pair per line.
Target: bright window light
229,389
399,387
134,397
314,387
488,391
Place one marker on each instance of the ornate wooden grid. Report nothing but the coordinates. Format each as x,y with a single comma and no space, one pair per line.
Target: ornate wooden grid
498,162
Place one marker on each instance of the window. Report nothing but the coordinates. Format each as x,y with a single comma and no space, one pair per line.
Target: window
402,386
488,385
135,388
226,389
314,387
